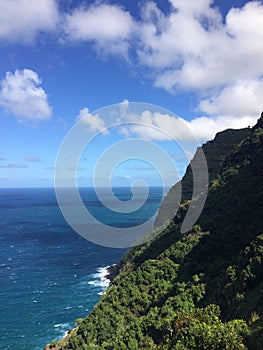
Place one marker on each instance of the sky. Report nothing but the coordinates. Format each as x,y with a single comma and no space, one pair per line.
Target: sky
62,62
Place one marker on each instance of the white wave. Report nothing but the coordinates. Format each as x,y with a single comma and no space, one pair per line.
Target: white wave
58,325
62,329
103,283
61,325
100,278
64,334
37,291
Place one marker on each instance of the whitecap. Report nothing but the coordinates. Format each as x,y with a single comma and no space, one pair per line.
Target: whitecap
64,334
63,326
92,283
37,291
100,278
62,329
58,325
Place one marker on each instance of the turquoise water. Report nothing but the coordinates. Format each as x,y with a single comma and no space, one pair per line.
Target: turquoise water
49,275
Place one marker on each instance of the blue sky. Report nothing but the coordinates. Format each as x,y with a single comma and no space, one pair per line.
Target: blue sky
61,60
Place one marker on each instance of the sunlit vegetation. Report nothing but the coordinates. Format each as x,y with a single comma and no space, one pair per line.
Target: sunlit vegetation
199,290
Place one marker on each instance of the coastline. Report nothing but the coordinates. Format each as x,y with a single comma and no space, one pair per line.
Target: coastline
111,272
105,275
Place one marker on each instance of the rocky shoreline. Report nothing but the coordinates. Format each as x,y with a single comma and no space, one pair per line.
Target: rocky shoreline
112,272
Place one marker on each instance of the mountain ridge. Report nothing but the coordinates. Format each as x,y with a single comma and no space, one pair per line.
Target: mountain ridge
201,289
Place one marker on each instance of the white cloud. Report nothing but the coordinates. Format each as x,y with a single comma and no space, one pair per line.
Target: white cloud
107,26
191,47
183,39
124,106
197,50
246,21
205,128
156,126
22,95
165,127
22,20
244,98
93,121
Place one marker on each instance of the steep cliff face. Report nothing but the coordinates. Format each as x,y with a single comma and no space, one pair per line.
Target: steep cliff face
202,289
215,153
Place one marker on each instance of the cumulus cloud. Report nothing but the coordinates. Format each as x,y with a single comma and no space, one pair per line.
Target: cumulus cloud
244,98
107,26
22,20
192,47
235,106
205,128
156,126
93,122
199,50
22,95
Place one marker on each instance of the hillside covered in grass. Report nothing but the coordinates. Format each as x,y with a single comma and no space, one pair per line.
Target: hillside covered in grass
202,289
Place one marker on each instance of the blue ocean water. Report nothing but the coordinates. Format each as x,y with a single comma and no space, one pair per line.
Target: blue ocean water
49,275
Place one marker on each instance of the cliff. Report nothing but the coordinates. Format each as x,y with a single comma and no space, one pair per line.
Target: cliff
202,289
215,153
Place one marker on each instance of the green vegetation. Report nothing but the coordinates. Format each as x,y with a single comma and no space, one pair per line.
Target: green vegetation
215,152
199,290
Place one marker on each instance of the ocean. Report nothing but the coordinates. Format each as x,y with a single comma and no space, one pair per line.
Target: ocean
49,275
